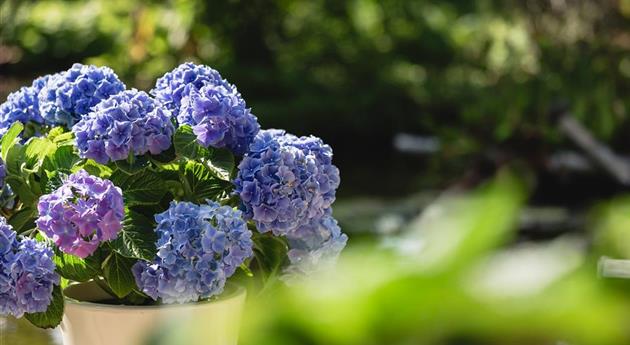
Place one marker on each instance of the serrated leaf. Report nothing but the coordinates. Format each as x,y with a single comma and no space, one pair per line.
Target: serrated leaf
94,169
10,138
186,144
23,219
137,237
63,158
142,188
50,318
117,272
200,183
74,268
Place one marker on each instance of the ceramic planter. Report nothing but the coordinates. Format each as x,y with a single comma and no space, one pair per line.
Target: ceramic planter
86,321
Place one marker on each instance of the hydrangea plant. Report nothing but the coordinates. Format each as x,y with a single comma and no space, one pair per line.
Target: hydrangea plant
158,198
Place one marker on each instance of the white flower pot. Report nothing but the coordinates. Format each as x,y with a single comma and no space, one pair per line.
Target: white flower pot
87,322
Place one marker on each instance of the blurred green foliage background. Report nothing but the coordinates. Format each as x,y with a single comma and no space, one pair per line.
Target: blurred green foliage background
481,84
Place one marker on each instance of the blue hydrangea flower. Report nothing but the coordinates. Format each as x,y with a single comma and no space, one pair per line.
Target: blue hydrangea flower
199,247
314,246
219,118
284,181
69,95
22,105
129,121
214,108
174,85
27,274
83,212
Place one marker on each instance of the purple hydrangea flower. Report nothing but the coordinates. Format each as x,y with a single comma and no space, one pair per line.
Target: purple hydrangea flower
284,181
174,85
69,95
27,274
22,105
201,98
314,246
129,121
219,117
82,213
199,247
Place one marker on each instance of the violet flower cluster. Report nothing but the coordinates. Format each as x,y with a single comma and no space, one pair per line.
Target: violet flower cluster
214,108
83,212
174,85
199,247
22,105
285,182
69,95
129,121
27,274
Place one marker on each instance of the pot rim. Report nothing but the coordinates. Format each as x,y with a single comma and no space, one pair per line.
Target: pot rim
231,292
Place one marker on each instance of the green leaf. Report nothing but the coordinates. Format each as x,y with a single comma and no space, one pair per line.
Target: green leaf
36,150
14,159
94,168
142,188
200,183
133,165
50,318
63,158
74,268
10,138
23,190
221,163
186,145
137,237
117,272
51,180
23,219
270,253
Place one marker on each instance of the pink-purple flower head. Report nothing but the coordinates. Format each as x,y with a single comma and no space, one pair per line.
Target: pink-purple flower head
27,274
128,122
83,212
284,181
69,95
199,247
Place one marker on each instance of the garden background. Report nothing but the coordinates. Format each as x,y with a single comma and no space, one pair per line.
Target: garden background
483,104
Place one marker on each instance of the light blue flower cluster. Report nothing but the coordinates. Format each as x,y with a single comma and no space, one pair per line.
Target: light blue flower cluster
199,247
214,108
129,121
82,213
69,95
313,245
22,105
284,181
27,274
